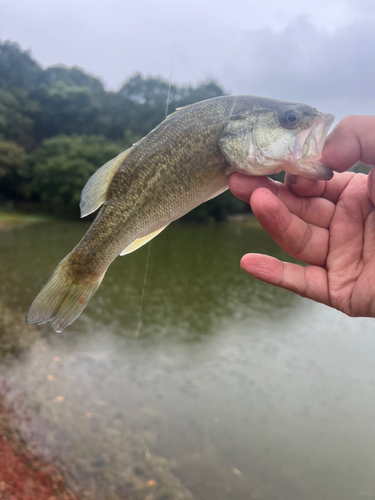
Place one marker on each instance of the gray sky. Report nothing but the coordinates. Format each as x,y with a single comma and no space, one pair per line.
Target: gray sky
321,52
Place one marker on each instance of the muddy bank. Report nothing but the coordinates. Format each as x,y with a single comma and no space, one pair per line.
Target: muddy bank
53,446
24,475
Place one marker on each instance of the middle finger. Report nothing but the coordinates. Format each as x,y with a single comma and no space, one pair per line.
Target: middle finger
306,242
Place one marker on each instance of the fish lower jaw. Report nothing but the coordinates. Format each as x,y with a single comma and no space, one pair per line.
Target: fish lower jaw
305,168
252,166
260,170
314,170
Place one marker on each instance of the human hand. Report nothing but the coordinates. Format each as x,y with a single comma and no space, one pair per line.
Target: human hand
329,225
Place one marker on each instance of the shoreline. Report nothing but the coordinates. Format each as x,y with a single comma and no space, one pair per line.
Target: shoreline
23,474
18,220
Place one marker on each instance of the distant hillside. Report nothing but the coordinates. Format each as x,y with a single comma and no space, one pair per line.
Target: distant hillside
61,100
59,124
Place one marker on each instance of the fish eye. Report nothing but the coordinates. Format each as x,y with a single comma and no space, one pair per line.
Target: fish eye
291,118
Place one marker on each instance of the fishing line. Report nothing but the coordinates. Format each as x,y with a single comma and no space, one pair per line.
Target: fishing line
172,64
139,325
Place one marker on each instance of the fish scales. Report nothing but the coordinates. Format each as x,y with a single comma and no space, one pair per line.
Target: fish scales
183,162
147,199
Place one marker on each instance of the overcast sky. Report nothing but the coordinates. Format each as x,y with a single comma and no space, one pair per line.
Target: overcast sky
321,52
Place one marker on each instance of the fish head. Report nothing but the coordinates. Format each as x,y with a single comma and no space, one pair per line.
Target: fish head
279,136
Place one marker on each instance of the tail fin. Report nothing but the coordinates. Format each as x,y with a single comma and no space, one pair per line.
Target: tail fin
61,300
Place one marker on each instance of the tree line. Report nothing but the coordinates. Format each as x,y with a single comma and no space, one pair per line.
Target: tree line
59,124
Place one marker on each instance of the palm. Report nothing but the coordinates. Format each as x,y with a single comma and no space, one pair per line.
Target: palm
330,226
351,252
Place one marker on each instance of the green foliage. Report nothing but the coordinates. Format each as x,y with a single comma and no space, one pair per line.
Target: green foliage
58,125
16,111
147,98
62,165
218,208
359,168
72,77
17,69
64,109
12,158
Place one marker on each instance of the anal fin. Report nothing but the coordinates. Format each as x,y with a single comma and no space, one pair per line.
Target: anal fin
139,242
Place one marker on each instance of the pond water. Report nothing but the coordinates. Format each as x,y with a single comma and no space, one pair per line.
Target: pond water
233,388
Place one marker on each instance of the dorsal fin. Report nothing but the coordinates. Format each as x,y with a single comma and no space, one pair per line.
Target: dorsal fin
178,110
94,192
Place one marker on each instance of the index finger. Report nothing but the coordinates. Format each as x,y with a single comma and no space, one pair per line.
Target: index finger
311,209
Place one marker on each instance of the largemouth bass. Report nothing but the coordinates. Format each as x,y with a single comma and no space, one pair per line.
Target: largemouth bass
182,163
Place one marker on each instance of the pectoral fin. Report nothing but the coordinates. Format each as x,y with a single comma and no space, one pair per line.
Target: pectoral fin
141,241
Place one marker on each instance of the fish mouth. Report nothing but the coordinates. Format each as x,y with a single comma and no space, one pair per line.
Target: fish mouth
310,142
309,147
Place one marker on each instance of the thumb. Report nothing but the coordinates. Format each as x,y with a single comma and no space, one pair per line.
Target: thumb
371,185
352,140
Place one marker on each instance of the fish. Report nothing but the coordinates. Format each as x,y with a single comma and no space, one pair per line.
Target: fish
185,161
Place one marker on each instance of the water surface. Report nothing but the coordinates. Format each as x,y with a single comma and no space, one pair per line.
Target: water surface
233,389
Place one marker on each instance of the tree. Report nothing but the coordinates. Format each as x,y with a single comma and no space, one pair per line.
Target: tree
64,110
59,124
62,165
147,100
218,208
16,111
17,68
72,77
12,157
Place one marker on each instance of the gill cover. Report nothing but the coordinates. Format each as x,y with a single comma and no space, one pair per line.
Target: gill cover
236,140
